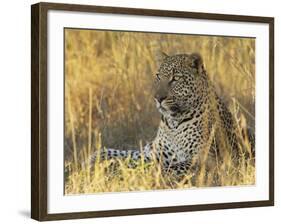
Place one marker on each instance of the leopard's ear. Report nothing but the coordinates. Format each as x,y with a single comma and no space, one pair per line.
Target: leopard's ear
160,56
196,60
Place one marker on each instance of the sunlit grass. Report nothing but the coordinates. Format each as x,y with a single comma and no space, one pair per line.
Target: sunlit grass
109,103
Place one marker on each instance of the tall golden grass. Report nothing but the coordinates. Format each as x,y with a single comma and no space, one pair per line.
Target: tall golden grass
109,103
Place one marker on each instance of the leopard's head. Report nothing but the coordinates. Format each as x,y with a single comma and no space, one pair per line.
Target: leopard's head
180,84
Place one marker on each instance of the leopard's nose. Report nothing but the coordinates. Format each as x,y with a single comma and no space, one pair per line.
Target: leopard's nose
159,98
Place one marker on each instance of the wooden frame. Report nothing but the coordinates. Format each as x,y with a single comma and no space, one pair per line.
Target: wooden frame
39,110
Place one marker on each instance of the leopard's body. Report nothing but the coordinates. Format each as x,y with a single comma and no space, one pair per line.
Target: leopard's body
194,119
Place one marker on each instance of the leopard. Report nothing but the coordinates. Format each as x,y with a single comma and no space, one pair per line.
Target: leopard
196,126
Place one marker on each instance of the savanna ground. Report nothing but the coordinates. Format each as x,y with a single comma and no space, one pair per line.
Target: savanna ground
109,103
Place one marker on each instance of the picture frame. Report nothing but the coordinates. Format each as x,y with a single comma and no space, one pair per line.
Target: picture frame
42,95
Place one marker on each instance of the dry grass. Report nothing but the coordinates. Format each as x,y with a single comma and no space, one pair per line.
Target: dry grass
109,103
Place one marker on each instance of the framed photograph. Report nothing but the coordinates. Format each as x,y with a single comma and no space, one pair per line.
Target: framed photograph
139,111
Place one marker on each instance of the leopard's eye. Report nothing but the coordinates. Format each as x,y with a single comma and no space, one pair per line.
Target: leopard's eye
157,77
